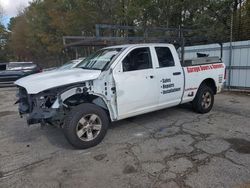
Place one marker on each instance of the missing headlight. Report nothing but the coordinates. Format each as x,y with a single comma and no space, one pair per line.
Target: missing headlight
50,101
46,101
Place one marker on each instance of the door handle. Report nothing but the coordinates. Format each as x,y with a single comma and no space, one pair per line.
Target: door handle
176,73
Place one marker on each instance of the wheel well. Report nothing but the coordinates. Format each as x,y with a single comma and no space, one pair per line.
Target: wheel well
210,83
78,99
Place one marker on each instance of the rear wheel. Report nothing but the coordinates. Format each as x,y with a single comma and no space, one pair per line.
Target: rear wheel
86,126
204,99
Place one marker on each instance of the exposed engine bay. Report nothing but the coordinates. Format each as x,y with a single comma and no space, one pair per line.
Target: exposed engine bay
51,106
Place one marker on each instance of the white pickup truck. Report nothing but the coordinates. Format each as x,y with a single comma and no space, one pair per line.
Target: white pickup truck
116,83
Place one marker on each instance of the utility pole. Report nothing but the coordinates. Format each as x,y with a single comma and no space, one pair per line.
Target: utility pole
230,52
239,21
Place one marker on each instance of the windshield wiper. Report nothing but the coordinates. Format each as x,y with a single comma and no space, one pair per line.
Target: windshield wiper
88,68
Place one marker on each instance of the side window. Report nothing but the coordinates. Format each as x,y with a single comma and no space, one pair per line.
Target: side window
165,57
2,67
137,59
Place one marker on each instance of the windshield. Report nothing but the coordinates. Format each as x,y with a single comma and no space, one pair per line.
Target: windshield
68,65
99,60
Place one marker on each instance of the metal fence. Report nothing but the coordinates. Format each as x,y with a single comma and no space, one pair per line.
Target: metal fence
236,56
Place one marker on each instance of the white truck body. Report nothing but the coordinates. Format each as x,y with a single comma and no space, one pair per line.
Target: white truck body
121,93
137,92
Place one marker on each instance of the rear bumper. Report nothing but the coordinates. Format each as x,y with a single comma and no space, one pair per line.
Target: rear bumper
8,81
9,78
7,84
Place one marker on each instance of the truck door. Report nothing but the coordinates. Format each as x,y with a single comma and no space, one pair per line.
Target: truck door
169,76
136,88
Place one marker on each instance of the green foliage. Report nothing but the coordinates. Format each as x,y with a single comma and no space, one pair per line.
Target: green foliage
242,21
5,52
36,34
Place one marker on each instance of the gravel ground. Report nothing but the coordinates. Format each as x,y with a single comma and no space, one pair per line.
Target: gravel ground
169,148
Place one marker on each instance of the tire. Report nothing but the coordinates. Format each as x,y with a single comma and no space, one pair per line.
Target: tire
85,126
204,100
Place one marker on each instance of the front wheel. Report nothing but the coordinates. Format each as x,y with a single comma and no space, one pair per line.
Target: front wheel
204,99
85,126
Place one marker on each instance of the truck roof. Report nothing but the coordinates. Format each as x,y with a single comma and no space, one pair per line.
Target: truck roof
138,45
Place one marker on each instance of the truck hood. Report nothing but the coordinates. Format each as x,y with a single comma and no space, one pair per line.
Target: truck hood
46,80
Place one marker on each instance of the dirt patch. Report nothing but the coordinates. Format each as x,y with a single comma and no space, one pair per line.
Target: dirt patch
237,92
240,145
100,157
129,169
247,185
234,101
7,113
2,96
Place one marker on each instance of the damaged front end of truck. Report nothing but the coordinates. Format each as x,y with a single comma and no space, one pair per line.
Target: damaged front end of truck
48,97
50,106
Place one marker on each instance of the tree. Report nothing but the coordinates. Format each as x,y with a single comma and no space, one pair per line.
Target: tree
246,20
36,33
3,39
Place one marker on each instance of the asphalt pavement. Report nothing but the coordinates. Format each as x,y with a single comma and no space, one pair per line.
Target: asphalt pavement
175,147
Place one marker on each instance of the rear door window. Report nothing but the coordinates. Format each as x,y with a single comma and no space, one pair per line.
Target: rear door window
165,57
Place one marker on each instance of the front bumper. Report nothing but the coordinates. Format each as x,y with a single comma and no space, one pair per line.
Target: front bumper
40,117
34,108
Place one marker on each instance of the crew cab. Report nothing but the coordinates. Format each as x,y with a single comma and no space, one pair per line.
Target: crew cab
115,83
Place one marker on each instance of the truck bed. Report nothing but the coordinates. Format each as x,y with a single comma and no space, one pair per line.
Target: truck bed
201,61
